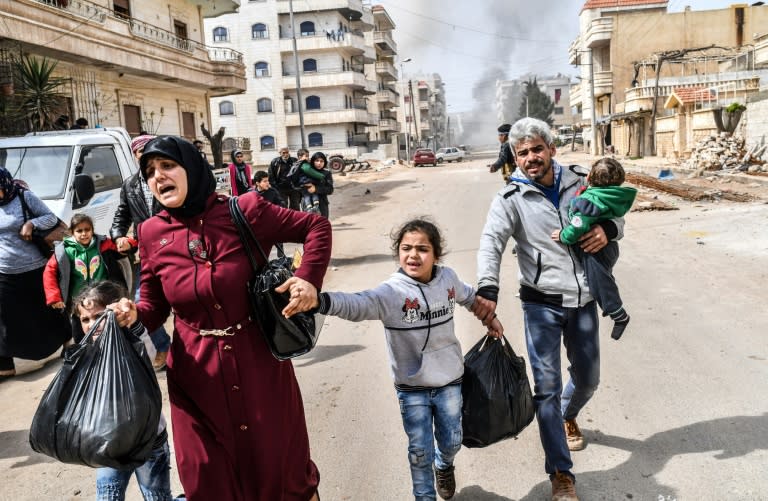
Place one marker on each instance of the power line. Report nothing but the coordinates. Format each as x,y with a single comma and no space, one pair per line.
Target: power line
475,30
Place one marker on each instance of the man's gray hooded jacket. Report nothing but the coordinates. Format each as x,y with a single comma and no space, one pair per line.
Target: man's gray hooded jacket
549,271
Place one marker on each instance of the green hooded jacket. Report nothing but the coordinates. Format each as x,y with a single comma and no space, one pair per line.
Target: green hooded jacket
597,203
87,264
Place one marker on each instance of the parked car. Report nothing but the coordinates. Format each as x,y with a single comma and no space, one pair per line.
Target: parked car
74,170
424,156
450,155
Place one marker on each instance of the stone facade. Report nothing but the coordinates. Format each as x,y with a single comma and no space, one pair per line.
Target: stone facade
144,69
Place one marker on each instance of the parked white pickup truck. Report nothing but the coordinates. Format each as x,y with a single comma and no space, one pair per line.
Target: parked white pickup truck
449,155
74,170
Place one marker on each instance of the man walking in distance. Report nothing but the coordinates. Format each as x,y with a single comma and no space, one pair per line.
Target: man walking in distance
506,160
137,204
278,178
553,290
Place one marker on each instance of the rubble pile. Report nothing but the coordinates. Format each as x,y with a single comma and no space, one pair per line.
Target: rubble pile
726,152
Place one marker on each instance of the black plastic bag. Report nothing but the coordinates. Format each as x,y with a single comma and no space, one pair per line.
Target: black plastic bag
498,402
103,407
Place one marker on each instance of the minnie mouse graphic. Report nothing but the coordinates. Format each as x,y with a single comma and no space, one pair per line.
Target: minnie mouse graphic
411,309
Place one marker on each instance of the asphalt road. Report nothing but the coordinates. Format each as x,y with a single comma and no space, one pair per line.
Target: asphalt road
681,414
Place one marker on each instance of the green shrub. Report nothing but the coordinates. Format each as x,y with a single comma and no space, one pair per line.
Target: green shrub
735,107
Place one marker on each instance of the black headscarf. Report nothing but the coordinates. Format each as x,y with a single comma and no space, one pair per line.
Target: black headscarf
200,181
9,186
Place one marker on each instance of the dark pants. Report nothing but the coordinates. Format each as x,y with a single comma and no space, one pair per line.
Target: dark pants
292,197
599,270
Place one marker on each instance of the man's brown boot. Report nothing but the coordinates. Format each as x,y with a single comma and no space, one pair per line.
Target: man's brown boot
573,436
563,487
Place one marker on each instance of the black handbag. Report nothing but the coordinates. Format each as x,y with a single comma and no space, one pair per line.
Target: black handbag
44,240
286,337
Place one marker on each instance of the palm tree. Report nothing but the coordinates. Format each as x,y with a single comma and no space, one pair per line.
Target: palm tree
39,97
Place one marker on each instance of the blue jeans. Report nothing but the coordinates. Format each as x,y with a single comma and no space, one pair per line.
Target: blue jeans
421,410
544,326
159,337
154,478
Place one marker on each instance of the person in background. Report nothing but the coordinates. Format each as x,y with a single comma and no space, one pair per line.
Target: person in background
61,123
200,147
237,412
77,262
264,188
321,188
506,160
137,204
417,305
557,304
278,170
154,476
80,123
239,174
28,328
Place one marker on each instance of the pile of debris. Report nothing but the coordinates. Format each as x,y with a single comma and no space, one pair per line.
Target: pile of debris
726,152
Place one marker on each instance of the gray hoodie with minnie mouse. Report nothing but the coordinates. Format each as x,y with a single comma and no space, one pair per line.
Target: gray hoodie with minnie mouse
418,322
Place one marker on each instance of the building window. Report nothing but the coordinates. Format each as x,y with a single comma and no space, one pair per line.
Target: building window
307,28
259,30
264,105
220,34
180,29
261,69
315,139
267,143
313,103
226,108
558,110
309,65
122,8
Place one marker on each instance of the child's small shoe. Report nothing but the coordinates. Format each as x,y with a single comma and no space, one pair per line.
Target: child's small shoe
446,482
620,319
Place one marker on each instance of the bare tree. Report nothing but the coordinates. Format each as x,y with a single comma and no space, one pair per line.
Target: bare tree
216,143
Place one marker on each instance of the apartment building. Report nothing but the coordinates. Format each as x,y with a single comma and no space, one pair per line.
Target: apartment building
422,111
385,133
137,64
619,46
510,97
342,61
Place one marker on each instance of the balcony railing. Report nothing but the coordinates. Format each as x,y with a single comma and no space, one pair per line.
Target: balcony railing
161,36
385,37
221,54
80,8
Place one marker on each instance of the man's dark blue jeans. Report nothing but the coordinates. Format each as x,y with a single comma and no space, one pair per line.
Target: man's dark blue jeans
545,326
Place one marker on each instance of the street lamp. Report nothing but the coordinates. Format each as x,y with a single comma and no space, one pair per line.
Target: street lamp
405,115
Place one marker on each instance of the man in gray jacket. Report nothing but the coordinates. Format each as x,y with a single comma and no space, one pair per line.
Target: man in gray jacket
556,300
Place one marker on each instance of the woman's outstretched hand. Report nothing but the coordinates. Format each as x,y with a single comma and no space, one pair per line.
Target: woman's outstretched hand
303,296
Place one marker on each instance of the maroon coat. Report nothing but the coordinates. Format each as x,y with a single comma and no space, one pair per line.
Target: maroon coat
238,418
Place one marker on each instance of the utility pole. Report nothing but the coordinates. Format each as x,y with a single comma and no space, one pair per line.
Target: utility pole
593,147
298,78
405,116
413,110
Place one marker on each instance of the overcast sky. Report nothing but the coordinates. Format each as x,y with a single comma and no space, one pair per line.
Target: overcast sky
464,40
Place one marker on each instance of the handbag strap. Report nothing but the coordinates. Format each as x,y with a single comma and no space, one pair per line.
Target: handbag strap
24,207
247,236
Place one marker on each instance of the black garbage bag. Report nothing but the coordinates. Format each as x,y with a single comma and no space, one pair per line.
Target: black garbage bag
498,402
103,406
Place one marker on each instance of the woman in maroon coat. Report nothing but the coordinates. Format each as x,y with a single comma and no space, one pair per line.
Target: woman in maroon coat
237,414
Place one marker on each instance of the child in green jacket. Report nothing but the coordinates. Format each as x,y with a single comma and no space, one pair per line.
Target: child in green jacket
605,198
